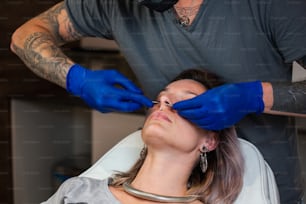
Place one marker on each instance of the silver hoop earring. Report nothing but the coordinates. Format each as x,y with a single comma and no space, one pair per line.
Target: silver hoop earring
203,160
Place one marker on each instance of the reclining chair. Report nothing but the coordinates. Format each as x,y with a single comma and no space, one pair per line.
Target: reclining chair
259,186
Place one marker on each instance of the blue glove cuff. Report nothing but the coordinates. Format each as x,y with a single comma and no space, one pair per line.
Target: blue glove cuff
75,78
255,96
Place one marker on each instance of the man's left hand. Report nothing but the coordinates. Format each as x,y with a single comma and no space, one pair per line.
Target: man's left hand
223,106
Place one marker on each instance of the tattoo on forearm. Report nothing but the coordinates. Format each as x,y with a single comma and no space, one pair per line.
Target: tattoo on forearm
44,58
57,19
290,97
41,51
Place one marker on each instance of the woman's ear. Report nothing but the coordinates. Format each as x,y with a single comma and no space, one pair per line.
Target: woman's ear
210,141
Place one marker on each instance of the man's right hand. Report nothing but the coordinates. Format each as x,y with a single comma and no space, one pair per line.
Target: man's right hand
105,90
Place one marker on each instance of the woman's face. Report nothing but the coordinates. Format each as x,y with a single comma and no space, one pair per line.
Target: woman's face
164,127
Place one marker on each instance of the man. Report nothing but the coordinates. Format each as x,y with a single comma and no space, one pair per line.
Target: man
250,44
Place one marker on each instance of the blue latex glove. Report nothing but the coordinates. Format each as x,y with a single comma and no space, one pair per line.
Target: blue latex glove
223,106
99,89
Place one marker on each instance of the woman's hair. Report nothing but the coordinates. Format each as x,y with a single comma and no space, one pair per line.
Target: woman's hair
222,182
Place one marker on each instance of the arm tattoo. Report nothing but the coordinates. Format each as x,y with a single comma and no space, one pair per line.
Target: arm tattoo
290,97
57,19
41,51
44,58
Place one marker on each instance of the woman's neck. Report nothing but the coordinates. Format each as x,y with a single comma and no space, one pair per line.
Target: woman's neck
164,175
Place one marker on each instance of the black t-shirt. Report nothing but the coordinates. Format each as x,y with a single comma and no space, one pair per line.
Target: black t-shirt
239,40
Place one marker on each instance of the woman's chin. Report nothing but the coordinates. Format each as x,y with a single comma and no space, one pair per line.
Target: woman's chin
154,130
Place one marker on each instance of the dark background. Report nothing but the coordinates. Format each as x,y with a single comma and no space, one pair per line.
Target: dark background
17,81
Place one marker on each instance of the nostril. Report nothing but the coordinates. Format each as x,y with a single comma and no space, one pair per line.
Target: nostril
168,103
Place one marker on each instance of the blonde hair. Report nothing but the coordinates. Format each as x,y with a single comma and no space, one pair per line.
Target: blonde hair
222,182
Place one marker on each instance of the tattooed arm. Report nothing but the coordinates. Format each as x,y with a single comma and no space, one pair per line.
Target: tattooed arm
288,98
38,42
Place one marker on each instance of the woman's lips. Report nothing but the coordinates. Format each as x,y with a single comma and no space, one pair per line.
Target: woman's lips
160,115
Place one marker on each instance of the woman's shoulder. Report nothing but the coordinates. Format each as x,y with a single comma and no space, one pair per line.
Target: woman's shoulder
78,189
80,182
85,182
75,185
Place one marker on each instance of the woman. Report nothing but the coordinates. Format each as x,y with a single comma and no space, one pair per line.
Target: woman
181,162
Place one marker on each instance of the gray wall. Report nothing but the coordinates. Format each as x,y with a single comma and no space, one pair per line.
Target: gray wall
43,135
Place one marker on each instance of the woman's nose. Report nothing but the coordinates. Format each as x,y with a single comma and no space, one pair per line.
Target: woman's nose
163,103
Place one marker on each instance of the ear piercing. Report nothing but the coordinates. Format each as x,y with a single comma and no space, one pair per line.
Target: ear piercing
203,159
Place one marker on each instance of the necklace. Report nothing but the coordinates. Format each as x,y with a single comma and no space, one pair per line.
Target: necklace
184,14
155,197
